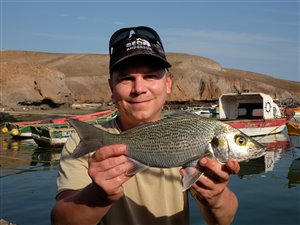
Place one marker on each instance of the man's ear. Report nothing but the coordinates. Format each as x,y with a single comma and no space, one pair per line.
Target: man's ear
169,83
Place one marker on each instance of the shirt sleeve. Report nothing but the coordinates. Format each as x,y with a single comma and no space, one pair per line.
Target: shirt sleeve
73,172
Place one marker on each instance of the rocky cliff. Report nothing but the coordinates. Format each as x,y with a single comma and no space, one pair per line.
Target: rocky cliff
36,78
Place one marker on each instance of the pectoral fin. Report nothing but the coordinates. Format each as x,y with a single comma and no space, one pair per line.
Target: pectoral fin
136,167
191,175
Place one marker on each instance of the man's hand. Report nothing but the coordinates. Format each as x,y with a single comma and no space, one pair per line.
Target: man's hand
216,201
211,185
107,169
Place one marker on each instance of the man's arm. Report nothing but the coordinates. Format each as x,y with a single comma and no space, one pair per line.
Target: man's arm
221,214
88,206
79,207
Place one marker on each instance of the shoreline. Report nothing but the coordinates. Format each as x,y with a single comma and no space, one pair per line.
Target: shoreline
16,114
4,222
72,110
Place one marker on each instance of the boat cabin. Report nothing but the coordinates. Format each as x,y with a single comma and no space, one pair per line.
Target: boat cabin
250,105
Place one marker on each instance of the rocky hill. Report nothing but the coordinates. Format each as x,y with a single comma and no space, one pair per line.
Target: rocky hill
37,78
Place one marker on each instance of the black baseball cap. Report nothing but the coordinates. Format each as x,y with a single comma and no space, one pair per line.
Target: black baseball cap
138,42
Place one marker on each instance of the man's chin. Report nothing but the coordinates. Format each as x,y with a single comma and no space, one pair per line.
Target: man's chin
145,115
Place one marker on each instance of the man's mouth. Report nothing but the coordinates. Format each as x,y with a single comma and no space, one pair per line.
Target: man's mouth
139,101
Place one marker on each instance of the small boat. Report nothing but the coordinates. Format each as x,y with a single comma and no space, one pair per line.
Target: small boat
293,128
23,129
19,129
296,111
253,113
206,112
51,137
57,135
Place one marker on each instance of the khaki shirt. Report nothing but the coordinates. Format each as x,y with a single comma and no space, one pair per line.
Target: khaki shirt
153,196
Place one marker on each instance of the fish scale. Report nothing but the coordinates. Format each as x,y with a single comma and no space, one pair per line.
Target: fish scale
175,147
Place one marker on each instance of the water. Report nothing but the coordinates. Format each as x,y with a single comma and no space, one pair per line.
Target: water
267,188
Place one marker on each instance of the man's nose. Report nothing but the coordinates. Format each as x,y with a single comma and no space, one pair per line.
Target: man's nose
139,86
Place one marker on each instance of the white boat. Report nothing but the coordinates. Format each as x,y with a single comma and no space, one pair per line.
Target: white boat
206,112
253,113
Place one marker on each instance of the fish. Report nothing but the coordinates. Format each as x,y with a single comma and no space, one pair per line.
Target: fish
177,140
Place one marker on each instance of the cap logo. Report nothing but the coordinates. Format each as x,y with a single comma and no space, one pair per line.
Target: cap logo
138,43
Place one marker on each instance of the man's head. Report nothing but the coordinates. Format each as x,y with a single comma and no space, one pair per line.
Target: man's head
139,78
138,42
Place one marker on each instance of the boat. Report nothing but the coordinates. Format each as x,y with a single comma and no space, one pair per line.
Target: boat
206,112
296,111
253,113
211,111
19,129
293,128
22,129
51,137
57,135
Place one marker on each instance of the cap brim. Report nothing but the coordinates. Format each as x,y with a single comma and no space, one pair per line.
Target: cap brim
155,57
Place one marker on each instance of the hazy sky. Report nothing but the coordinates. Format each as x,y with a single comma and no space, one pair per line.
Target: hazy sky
254,35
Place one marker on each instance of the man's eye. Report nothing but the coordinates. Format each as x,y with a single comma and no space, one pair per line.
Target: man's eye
151,76
125,79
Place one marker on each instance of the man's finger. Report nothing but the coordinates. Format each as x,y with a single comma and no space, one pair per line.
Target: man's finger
110,151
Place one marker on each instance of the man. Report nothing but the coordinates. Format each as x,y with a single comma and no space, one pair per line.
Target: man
95,189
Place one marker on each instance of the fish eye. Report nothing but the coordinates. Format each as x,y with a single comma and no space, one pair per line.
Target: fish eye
240,140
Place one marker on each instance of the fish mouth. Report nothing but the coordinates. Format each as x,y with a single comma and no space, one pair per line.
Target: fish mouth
256,153
261,152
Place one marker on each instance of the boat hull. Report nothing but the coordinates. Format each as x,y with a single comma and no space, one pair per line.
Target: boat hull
260,126
23,129
56,137
51,137
293,128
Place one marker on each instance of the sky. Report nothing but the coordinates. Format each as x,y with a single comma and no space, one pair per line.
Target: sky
254,35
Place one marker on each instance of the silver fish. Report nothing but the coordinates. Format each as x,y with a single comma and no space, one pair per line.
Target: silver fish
178,140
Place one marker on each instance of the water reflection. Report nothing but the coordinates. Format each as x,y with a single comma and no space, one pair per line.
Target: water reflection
278,146
275,142
45,156
255,166
21,156
8,143
263,164
294,173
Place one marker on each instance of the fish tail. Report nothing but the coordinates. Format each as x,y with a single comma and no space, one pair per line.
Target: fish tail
91,137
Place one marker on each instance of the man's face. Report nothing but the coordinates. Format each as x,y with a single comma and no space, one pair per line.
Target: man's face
139,93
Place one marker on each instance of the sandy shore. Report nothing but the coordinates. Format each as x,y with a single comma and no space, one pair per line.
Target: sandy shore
4,222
